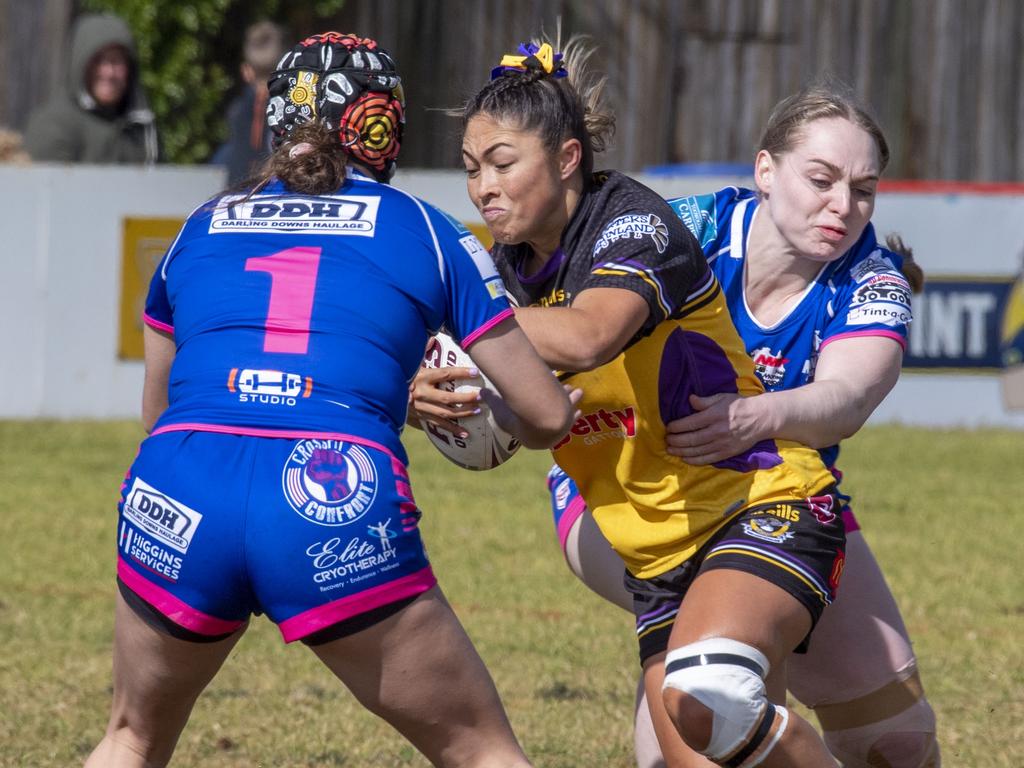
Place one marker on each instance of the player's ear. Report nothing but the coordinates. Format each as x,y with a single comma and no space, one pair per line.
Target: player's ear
764,171
570,155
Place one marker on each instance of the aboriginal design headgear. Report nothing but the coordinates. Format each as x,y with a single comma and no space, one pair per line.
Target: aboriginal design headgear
531,56
352,86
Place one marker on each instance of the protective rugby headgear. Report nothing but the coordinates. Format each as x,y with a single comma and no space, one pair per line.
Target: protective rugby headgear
350,85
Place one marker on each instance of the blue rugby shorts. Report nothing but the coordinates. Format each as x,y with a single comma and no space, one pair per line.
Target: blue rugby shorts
312,532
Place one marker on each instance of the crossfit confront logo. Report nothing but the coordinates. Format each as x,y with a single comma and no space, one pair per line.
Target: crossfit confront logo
329,482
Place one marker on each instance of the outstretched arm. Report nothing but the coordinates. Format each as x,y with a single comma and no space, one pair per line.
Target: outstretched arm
852,377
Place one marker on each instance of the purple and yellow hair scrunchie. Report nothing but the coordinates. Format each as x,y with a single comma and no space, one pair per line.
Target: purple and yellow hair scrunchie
531,56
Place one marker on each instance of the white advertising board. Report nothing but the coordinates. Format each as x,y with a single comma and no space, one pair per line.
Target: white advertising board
61,264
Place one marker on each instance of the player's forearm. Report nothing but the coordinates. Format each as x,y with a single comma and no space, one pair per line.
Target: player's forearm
818,414
567,339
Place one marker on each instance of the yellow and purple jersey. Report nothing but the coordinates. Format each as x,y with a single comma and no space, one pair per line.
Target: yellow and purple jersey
653,508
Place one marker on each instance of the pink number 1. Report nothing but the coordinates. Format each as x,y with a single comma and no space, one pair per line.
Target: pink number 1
292,282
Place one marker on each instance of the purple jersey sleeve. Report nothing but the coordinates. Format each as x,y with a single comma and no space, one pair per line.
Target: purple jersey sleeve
873,296
474,291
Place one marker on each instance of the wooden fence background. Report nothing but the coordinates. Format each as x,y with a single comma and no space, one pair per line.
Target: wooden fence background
690,80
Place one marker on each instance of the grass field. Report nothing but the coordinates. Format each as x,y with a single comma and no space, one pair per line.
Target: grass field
942,510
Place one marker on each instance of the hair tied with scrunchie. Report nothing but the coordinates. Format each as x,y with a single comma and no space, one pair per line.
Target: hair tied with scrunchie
531,56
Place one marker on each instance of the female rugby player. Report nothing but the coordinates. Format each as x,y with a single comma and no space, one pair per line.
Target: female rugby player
283,327
730,564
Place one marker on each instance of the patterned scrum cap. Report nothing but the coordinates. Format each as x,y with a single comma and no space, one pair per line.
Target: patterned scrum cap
352,86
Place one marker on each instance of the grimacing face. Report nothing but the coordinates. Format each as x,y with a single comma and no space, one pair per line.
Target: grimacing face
820,194
513,180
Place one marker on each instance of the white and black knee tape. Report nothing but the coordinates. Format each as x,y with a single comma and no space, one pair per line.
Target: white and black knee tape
727,677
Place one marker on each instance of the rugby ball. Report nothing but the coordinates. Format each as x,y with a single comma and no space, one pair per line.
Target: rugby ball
487,445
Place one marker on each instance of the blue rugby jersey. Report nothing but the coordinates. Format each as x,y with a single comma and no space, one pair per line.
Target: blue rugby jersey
296,315
862,293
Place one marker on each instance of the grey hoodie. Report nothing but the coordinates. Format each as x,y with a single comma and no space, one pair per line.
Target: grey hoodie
72,127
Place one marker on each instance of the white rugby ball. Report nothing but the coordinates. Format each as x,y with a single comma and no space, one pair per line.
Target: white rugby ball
487,444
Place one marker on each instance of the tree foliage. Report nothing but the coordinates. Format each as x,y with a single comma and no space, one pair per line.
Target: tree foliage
189,54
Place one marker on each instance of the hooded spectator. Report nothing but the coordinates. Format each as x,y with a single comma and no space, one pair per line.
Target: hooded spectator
102,116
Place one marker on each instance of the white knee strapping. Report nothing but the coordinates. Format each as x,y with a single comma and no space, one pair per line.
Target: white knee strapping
891,727
906,740
727,677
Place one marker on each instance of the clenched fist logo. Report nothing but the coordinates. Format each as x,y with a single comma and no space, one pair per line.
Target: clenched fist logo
330,471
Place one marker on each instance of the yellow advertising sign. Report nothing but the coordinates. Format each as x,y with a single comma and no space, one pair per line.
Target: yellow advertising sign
144,242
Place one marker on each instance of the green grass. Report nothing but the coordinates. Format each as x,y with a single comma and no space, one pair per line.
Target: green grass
941,509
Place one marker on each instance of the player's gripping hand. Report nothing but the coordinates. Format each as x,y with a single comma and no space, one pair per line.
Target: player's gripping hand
720,427
432,397
327,468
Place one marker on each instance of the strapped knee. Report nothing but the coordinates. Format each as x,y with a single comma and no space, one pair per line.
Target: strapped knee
727,677
892,727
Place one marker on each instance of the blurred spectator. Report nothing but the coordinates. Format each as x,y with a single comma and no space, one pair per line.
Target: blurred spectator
103,116
11,149
248,142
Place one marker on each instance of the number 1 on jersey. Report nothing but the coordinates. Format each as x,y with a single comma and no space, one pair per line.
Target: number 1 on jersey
292,282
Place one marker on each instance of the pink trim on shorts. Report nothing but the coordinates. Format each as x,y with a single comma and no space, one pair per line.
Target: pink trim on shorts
401,479
291,434
153,322
568,519
850,520
486,327
170,606
315,619
854,334
408,506
411,519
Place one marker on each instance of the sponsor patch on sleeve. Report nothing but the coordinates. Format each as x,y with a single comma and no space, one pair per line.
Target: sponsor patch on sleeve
481,258
496,288
882,294
872,265
698,214
636,226
884,287
883,313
